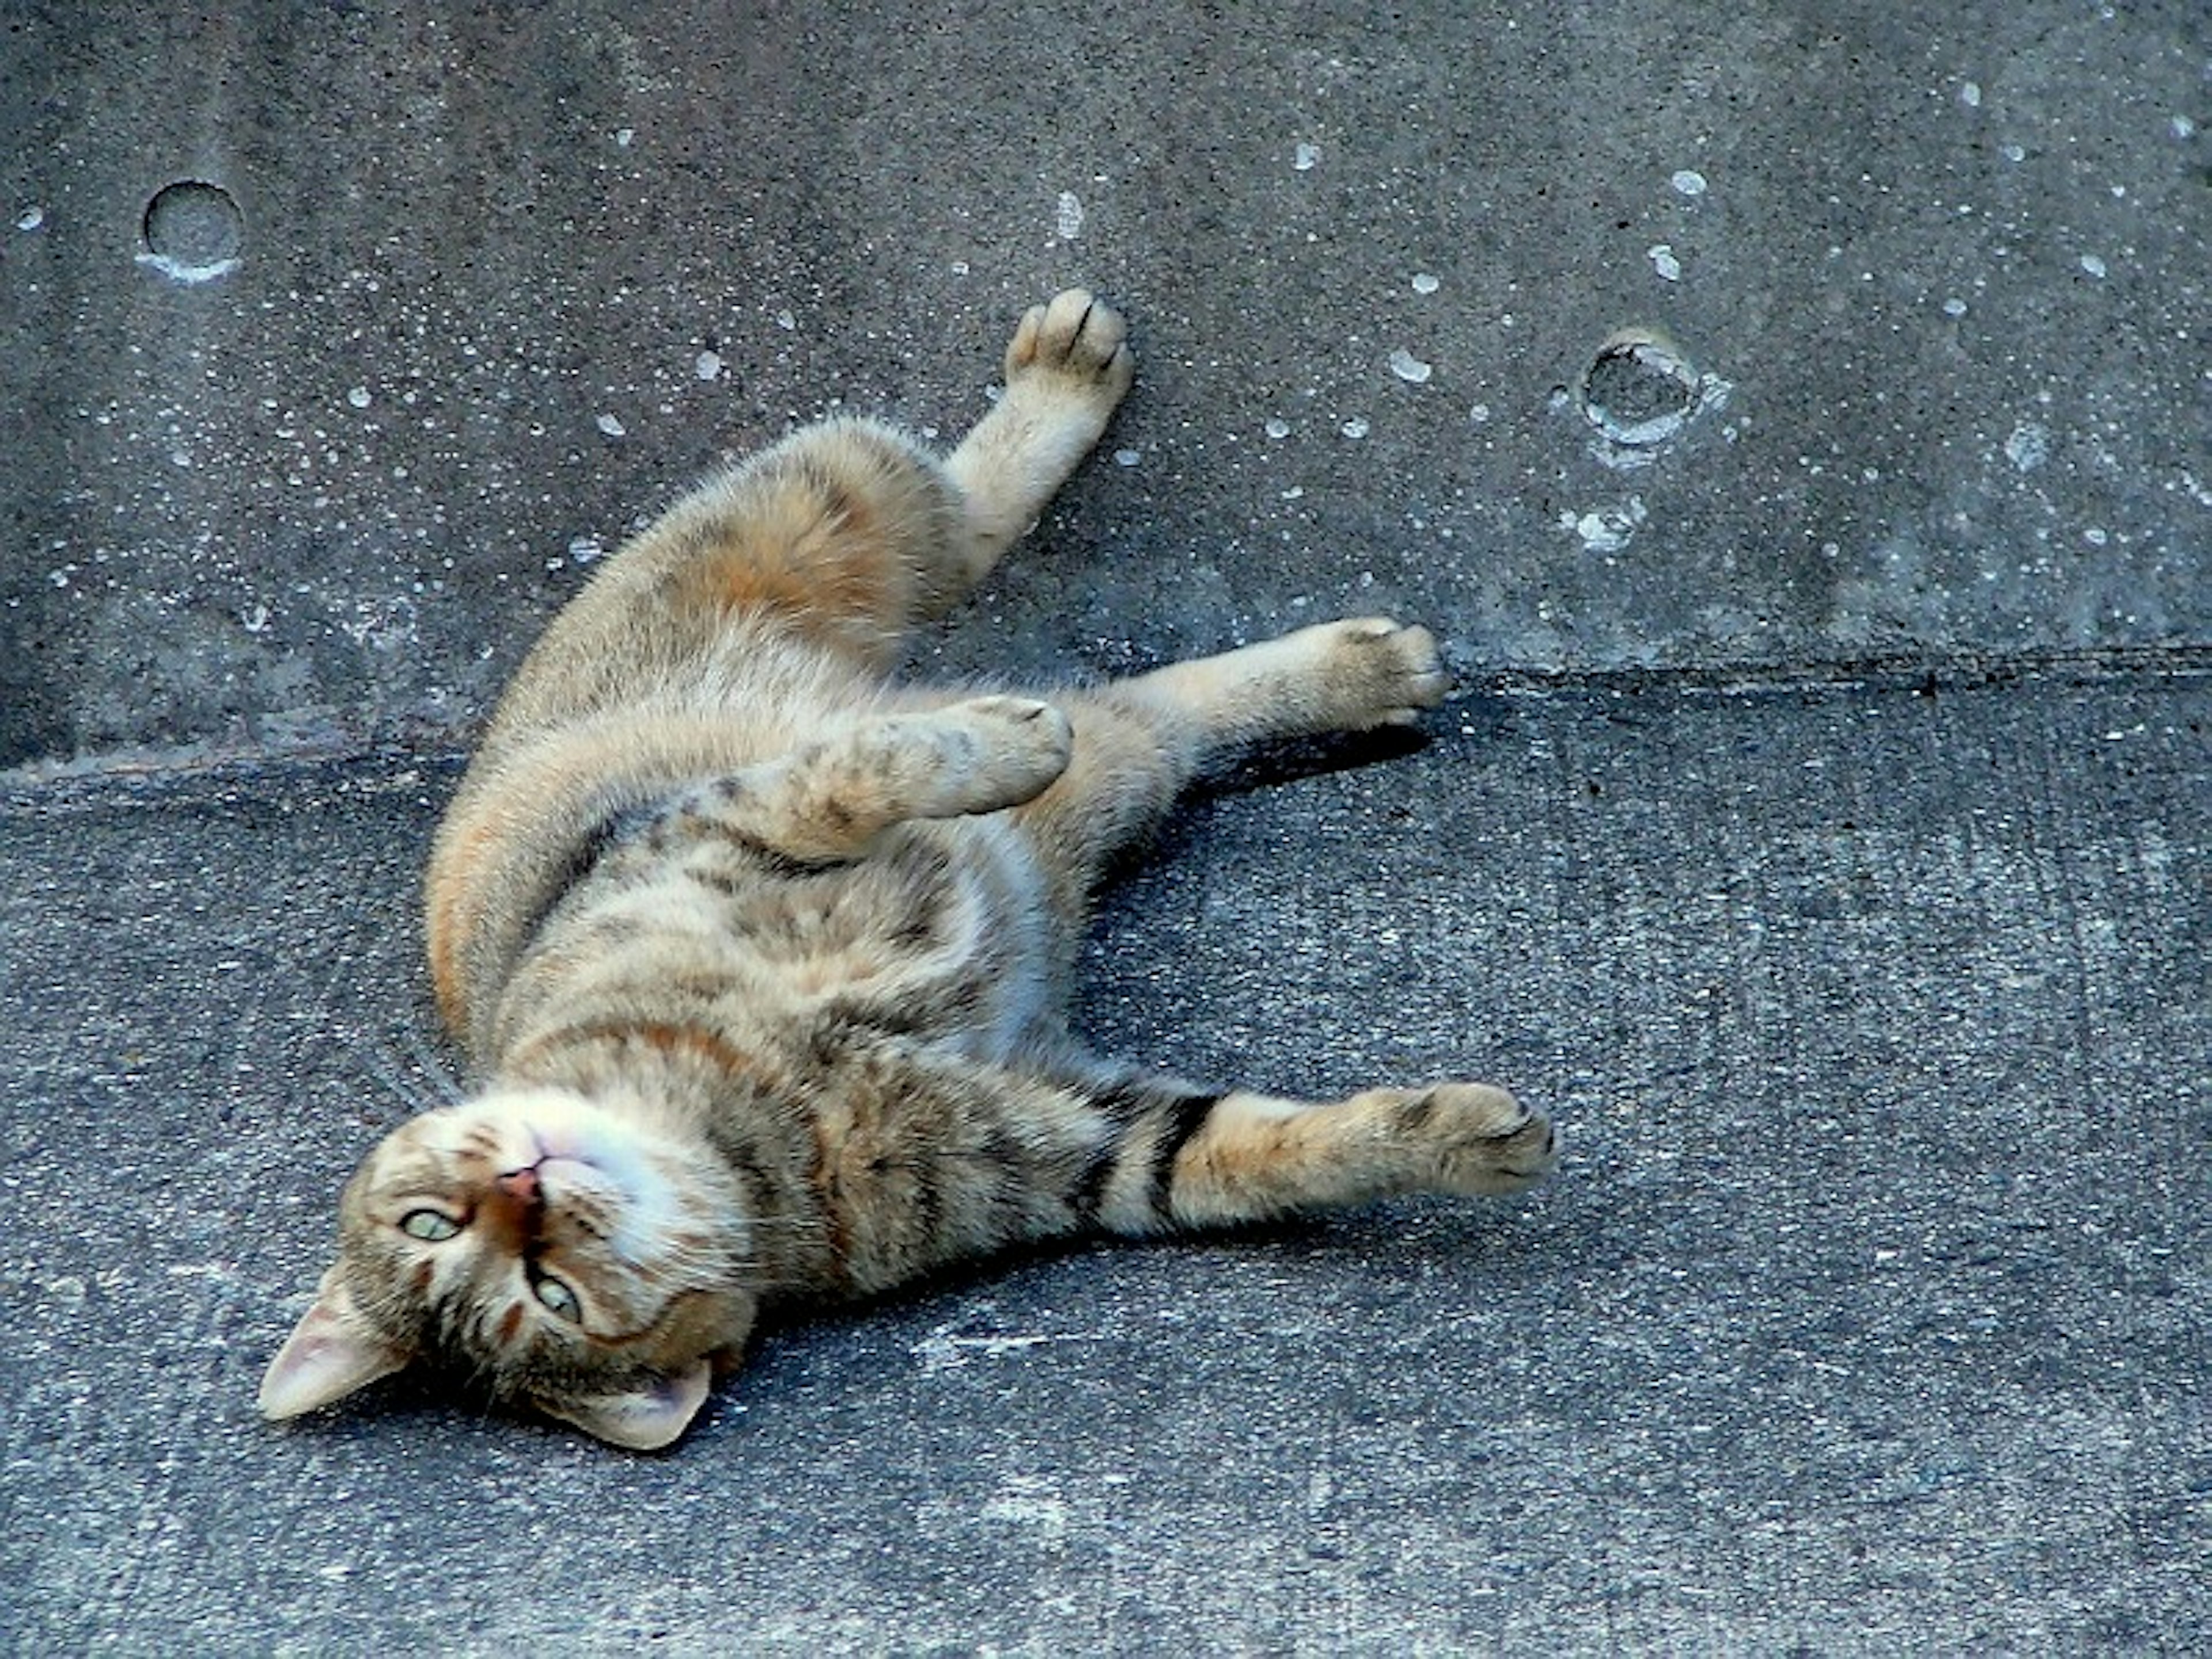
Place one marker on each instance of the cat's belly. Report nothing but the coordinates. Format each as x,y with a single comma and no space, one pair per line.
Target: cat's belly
940,935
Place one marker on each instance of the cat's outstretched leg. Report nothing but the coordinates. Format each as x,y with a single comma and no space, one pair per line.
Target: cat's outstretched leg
1253,1156
990,1157
1067,368
1177,1156
1138,742
1335,677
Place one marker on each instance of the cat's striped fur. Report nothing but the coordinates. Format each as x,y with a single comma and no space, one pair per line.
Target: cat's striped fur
760,959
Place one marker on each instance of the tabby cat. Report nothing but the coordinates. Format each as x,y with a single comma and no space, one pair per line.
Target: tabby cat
760,959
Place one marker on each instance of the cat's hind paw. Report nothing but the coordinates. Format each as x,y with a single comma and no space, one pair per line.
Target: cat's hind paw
1482,1139
1075,346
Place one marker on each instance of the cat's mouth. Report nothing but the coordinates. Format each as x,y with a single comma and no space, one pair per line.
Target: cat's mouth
533,1146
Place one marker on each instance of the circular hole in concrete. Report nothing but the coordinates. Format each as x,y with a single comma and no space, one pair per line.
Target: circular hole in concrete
1640,389
193,230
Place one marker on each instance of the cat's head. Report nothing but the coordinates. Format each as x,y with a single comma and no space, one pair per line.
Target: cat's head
579,1262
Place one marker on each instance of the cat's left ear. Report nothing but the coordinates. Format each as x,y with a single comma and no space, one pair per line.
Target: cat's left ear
638,1420
331,1352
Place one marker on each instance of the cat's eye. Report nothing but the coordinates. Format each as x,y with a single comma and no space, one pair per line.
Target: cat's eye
432,1226
558,1299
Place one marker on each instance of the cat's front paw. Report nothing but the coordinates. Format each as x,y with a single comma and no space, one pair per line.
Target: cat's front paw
1076,345
1019,745
1482,1139
1379,672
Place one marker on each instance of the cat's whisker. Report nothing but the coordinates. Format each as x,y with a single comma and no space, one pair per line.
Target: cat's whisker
434,1067
381,1064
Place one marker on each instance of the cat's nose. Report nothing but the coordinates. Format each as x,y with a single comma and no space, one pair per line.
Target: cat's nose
521,1186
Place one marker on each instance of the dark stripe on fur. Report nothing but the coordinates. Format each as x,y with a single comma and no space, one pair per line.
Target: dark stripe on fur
1126,1102
774,861
1088,1190
1127,1098
609,830
1181,1119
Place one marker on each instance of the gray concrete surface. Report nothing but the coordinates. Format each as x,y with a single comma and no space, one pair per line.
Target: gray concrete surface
506,276
1820,830
1867,1316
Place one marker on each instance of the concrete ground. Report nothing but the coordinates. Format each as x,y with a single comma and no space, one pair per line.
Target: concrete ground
1798,421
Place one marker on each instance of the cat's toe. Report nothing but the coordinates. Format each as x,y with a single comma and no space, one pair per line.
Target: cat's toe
1076,339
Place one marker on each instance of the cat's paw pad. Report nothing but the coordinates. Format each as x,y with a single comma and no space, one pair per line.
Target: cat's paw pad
1075,343
1483,1139
1021,744
1381,672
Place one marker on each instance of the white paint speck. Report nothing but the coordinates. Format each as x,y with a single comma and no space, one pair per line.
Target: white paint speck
1689,182
2093,264
254,619
1026,1501
31,217
2183,128
2012,152
1354,428
1424,284
2095,537
1304,157
959,267
1277,428
1128,456
1068,219
708,364
1409,367
1479,414
1664,262
358,396
1954,306
786,321
611,426
2029,446
1970,94
624,137
1607,529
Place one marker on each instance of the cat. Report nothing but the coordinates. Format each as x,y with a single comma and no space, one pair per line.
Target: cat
760,957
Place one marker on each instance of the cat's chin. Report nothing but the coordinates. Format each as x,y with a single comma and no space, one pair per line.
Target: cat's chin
520,1129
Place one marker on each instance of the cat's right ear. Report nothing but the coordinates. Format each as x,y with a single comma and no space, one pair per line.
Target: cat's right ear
331,1352
644,1418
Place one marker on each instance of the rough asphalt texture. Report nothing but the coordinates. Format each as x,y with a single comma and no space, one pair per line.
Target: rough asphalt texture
1820,830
